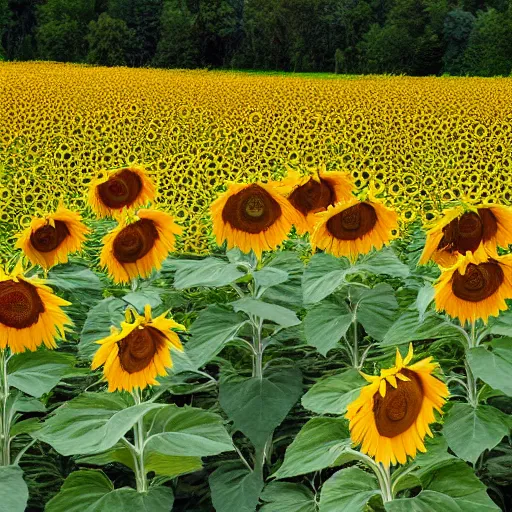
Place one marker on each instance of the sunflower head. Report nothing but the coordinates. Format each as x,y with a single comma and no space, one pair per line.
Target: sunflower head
30,314
354,227
391,416
474,289
252,216
138,245
49,240
136,354
114,190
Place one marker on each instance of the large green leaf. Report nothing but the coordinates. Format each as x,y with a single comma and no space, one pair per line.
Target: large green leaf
348,490
269,276
92,491
288,293
100,318
186,431
37,373
331,395
277,314
13,489
118,453
140,298
424,298
469,431
257,406
321,443
493,364
502,324
376,310
325,324
213,329
408,327
384,261
426,501
210,271
287,497
92,423
235,488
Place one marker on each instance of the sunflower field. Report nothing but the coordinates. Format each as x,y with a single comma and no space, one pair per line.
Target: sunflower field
236,292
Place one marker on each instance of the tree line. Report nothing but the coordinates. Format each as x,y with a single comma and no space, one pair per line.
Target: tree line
415,37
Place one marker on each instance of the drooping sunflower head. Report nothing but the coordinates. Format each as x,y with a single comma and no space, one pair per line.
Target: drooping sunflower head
474,289
135,355
30,313
391,416
114,190
50,239
138,245
462,229
354,227
252,216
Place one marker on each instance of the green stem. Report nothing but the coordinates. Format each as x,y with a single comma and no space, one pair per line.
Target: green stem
139,440
5,424
355,350
258,349
471,386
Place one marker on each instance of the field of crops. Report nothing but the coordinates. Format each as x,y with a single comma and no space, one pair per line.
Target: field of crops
251,292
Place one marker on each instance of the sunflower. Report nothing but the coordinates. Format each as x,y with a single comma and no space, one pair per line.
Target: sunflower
473,289
354,227
391,416
30,313
49,240
252,216
477,229
135,355
138,245
314,193
114,190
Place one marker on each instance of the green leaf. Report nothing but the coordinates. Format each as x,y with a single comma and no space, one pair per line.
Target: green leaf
27,426
348,490
268,276
274,313
108,312
235,488
331,395
81,283
92,423
37,373
502,324
212,272
325,324
408,327
19,403
424,298
213,329
322,276
288,293
426,501
248,260
287,497
257,406
171,465
493,366
321,443
376,310
186,431
469,431
92,491
13,489
139,299
384,261
118,453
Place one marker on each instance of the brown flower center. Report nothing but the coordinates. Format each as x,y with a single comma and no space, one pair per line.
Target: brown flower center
312,197
479,281
398,410
465,233
20,304
137,350
120,190
47,238
252,210
135,241
352,223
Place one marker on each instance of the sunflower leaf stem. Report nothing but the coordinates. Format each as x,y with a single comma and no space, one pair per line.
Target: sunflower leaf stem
5,426
139,439
242,458
382,476
471,386
355,350
238,290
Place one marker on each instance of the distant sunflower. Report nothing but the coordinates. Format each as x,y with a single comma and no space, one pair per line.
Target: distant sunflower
49,240
138,245
252,216
135,355
354,227
30,313
472,289
120,188
476,229
391,416
311,194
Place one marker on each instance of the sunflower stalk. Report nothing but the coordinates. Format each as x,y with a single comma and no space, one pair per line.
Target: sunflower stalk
471,381
5,423
139,441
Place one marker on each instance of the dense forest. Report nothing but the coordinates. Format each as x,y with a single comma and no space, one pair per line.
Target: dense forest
416,37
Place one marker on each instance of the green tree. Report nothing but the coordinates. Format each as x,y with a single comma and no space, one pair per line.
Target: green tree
457,28
108,40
